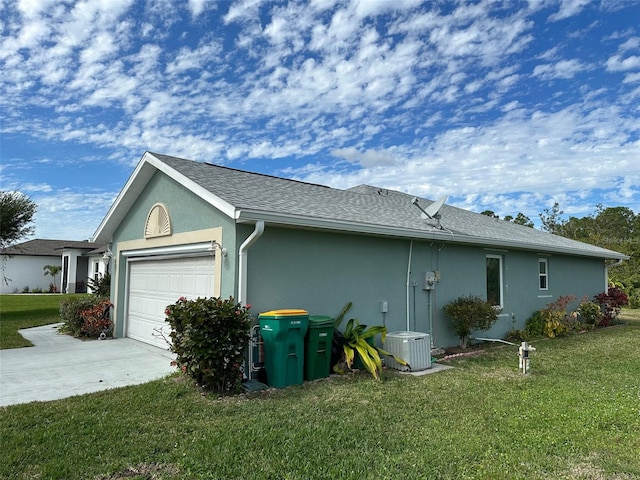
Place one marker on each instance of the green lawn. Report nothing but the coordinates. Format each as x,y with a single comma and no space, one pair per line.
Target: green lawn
24,311
577,416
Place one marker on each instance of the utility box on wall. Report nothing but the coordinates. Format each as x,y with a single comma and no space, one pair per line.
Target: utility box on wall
429,280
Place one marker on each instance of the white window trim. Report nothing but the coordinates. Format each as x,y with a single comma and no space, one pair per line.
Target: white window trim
501,278
545,274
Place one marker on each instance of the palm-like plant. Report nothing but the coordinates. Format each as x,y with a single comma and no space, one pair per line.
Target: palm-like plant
52,270
359,339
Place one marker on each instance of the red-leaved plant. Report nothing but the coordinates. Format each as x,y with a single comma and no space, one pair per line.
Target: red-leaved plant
96,320
611,303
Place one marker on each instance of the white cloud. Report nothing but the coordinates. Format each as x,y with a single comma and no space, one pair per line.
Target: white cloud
101,47
632,78
367,159
569,8
632,43
194,59
244,10
564,69
55,207
618,64
31,187
199,6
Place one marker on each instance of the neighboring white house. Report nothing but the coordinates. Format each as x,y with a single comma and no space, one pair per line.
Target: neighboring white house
23,265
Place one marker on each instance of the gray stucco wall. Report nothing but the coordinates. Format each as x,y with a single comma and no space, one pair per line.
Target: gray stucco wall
320,272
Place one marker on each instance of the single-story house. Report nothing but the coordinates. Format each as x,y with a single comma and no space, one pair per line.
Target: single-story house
184,228
23,265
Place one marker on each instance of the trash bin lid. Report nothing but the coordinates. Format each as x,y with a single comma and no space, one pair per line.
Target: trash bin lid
287,312
320,320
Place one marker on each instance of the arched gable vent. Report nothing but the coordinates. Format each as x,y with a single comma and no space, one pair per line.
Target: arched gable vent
158,222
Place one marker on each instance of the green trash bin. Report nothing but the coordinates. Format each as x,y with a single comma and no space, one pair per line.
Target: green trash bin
317,354
283,333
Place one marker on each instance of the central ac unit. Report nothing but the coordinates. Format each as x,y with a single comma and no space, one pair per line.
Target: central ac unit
412,347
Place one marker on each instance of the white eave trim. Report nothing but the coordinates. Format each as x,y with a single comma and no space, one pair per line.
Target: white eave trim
143,172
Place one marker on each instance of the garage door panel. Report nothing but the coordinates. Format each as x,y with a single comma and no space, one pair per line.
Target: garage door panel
154,284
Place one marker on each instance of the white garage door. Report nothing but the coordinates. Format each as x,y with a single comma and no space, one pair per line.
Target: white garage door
154,284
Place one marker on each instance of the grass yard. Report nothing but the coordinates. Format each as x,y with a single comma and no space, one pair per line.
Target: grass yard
25,311
577,416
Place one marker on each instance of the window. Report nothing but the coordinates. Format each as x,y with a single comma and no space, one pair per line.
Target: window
494,280
96,271
543,273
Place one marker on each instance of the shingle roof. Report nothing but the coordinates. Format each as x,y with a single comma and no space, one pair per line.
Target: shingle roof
367,205
51,248
248,197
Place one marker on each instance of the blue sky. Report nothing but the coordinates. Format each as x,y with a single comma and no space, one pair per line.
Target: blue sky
502,106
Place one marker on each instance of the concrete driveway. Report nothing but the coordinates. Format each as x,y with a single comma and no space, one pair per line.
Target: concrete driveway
59,366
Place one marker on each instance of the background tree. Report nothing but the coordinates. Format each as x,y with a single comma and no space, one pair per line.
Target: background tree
615,228
551,219
16,214
521,219
490,213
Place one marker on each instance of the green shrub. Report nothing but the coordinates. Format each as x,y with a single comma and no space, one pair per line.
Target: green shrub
554,325
209,337
100,287
590,314
634,299
535,324
71,310
552,320
468,314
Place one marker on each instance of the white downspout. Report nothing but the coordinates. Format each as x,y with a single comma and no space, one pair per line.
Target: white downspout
408,282
606,272
242,261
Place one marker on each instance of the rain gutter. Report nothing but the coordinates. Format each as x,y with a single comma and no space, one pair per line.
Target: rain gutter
250,216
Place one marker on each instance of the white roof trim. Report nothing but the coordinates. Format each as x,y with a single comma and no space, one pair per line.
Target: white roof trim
141,175
189,184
